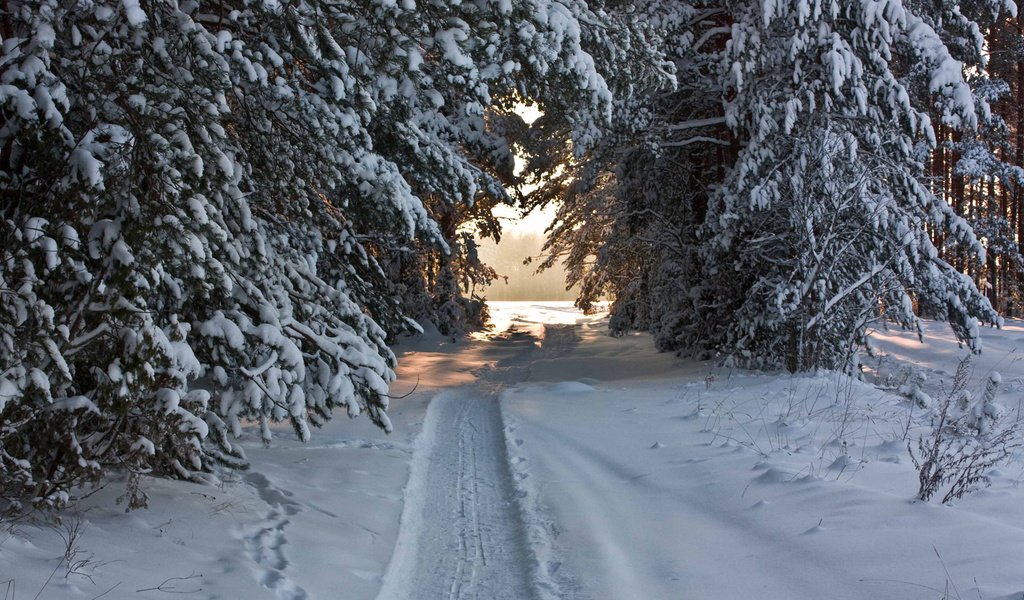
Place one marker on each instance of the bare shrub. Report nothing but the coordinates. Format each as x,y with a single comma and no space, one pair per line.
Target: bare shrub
961,448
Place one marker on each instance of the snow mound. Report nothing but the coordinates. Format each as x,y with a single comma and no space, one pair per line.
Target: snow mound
570,387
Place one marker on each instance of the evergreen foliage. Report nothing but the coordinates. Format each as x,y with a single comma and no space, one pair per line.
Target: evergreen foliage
213,213
204,204
779,204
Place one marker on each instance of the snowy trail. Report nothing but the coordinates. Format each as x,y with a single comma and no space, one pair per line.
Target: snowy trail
472,544
646,478
553,462
462,534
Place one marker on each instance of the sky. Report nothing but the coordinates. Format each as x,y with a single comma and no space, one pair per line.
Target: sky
523,237
535,222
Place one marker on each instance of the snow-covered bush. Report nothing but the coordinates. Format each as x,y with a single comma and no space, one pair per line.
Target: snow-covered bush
984,415
965,443
912,389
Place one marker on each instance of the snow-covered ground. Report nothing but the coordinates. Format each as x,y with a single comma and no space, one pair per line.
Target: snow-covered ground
547,460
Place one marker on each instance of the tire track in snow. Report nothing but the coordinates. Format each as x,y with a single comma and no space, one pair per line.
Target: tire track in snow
462,535
471,541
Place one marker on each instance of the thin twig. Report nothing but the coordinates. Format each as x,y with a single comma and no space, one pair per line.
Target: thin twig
170,590
107,592
949,577
920,585
410,393
48,579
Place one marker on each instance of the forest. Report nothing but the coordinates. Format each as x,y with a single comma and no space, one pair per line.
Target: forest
220,212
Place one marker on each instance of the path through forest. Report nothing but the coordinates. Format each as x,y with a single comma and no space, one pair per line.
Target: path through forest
551,461
471,542
462,534
577,466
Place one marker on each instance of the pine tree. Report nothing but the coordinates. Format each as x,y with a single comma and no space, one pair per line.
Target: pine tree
609,202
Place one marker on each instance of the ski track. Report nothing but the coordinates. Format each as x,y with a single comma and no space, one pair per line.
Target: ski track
470,541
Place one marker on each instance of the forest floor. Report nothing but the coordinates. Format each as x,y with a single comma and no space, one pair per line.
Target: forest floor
547,460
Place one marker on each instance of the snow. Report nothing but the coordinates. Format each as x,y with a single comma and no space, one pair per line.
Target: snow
86,166
8,390
74,403
136,16
545,459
